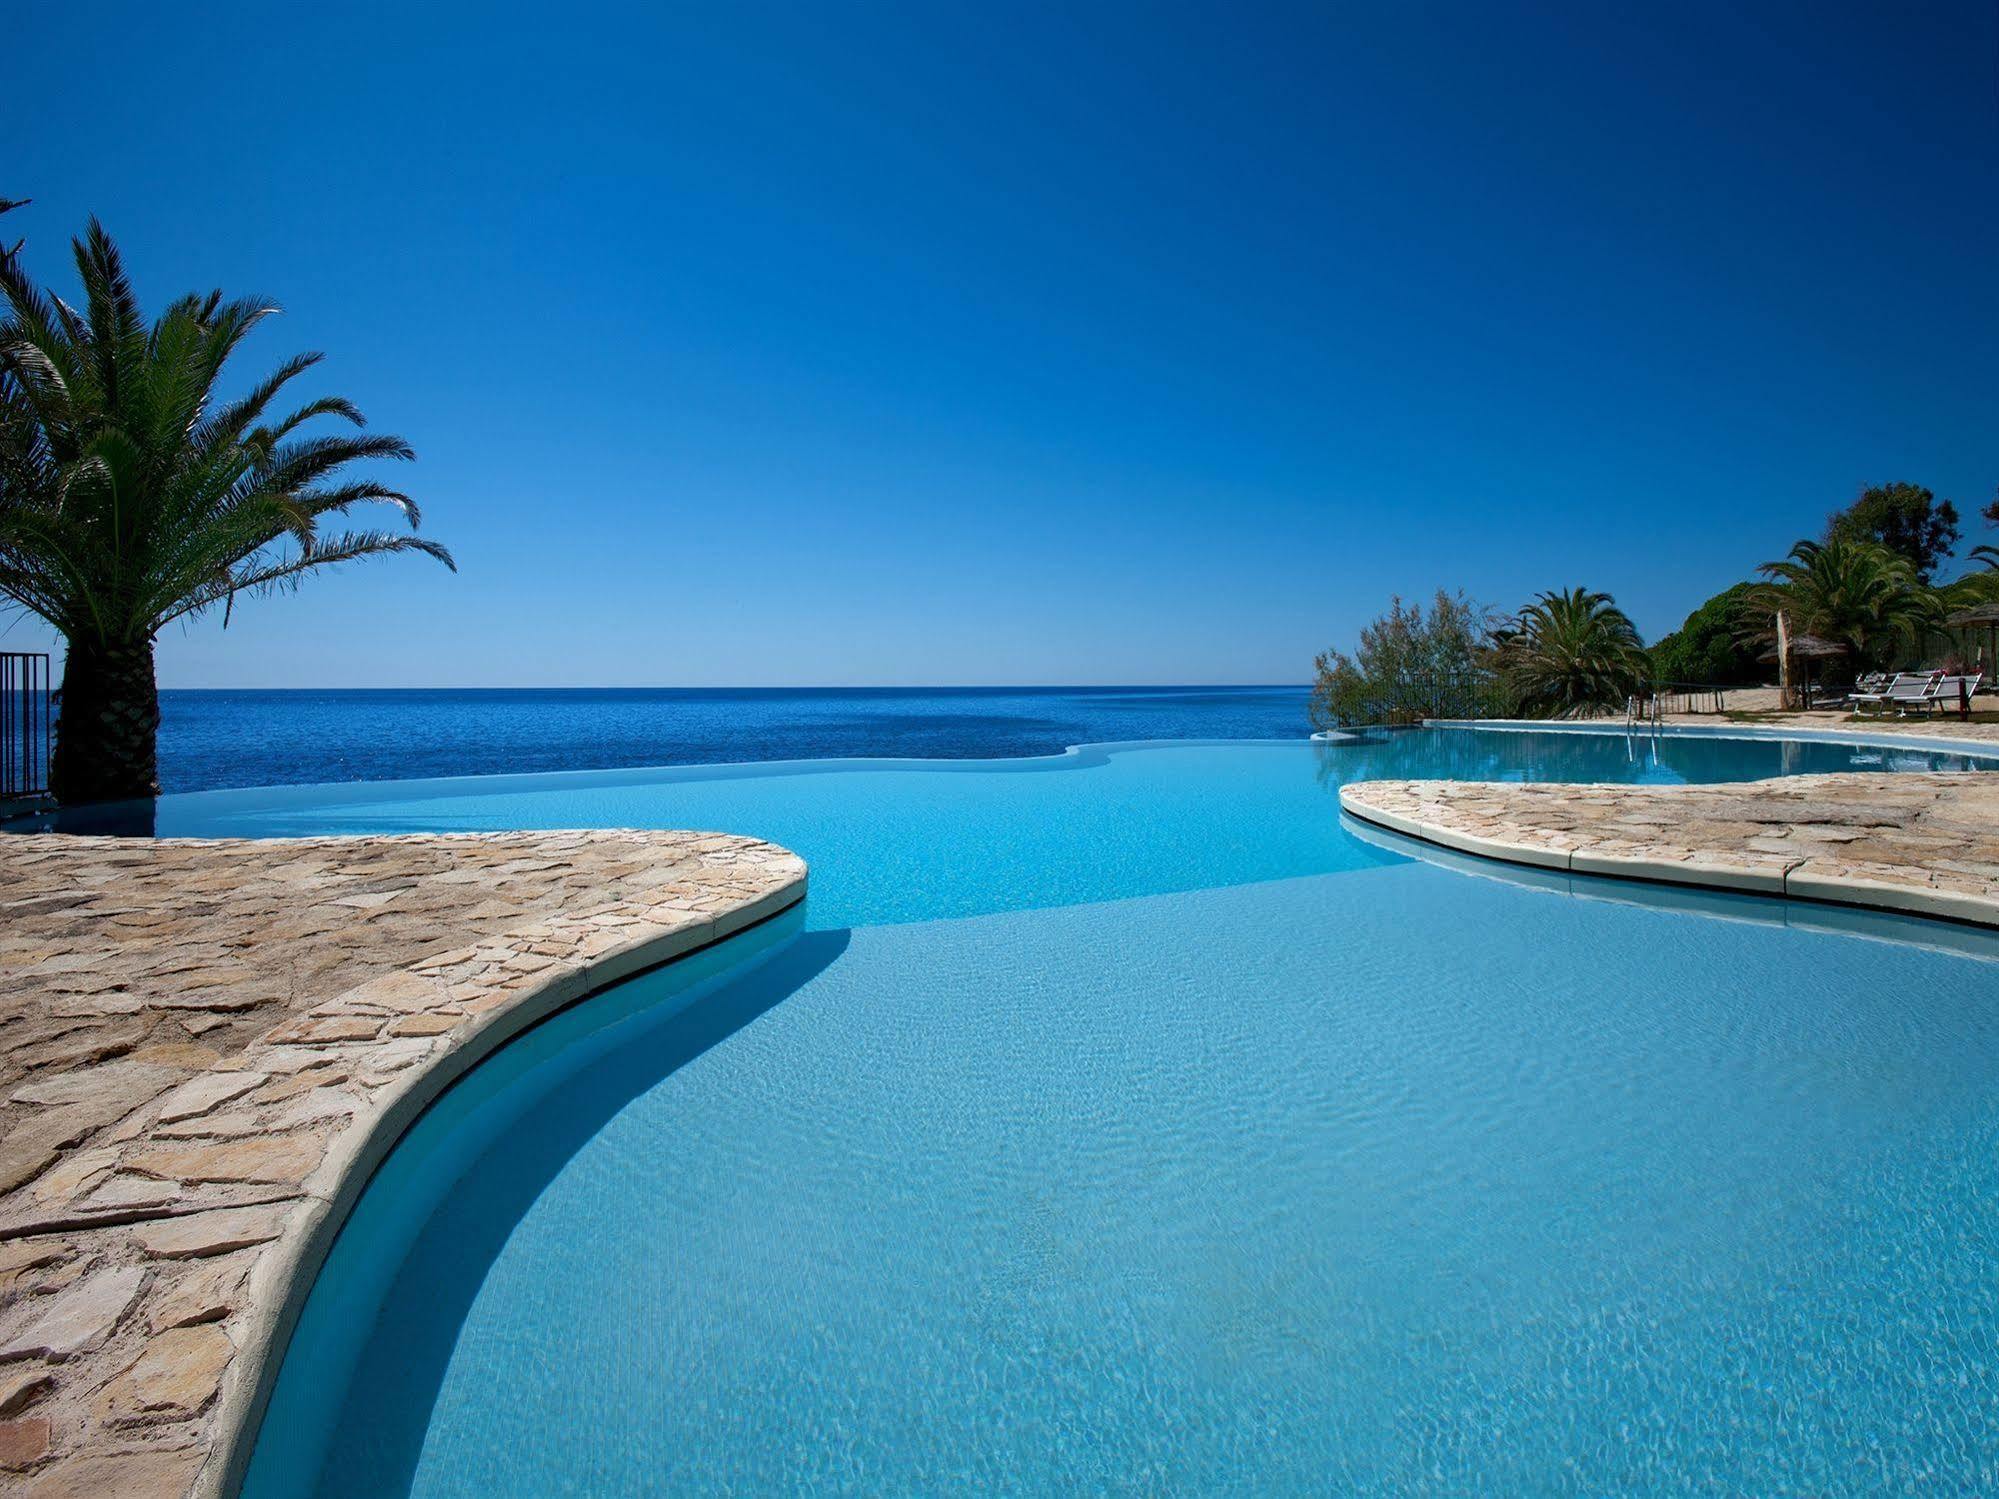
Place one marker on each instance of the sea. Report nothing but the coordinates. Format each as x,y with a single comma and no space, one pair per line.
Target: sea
231,738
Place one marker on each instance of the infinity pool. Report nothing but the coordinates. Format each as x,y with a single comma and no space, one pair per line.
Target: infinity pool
1124,1122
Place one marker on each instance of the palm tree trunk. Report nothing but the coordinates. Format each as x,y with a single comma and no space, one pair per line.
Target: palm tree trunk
1783,661
106,732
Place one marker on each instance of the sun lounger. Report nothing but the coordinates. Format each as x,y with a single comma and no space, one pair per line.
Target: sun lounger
1907,686
1944,692
1866,688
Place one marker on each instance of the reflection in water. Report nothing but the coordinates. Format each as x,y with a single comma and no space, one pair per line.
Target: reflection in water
1580,756
133,819
1794,914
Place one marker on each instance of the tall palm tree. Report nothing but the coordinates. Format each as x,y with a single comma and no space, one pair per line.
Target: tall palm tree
1856,592
132,495
1571,652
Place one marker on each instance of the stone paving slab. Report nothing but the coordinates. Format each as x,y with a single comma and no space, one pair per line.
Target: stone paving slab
205,1049
1926,843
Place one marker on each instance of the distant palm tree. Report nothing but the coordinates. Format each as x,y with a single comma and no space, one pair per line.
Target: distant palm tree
132,496
1856,592
1572,652
1978,586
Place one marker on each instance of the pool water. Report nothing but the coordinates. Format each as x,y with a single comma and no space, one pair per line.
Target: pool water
1126,1122
907,840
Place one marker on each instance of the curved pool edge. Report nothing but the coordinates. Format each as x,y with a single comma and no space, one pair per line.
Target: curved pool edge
1707,902
177,1231
1587,830
282,1280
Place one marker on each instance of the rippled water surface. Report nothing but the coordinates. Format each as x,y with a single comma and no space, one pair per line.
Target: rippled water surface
1126,1123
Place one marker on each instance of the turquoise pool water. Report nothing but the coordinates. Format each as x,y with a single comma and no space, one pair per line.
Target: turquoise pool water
1123,1122
909,840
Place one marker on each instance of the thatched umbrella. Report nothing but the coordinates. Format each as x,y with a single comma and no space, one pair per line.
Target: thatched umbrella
1807,649
1980,614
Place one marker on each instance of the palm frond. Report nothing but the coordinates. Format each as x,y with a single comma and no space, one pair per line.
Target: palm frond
233,420
1571,652
129,494
1856,592
338,406
285,574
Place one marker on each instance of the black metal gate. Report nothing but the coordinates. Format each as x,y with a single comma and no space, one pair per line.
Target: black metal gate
24,724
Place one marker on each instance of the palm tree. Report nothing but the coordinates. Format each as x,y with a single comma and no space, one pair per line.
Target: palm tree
1856,592
1572,652
132,495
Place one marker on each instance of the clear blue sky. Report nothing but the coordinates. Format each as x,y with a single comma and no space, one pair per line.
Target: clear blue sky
1073,343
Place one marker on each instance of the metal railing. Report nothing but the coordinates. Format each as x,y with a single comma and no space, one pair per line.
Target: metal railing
1648,707
1468,694
1685,697
1480,694
24,724
1485,695
1415,696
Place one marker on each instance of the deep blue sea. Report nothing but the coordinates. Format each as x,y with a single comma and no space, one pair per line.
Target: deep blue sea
211,739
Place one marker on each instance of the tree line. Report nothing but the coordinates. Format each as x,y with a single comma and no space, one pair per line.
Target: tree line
1866,590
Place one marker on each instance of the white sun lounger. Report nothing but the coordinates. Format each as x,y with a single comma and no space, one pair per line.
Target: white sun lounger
1867,689
1945,692
1908,687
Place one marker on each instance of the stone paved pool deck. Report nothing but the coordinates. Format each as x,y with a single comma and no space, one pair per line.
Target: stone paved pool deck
1926,843
205,1049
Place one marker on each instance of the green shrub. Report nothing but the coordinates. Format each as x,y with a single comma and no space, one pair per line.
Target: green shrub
1708,650
1409,665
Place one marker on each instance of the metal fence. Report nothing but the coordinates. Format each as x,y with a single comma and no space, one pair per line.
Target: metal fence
24,724
1685,697
1473,694
1468,694
1413,697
